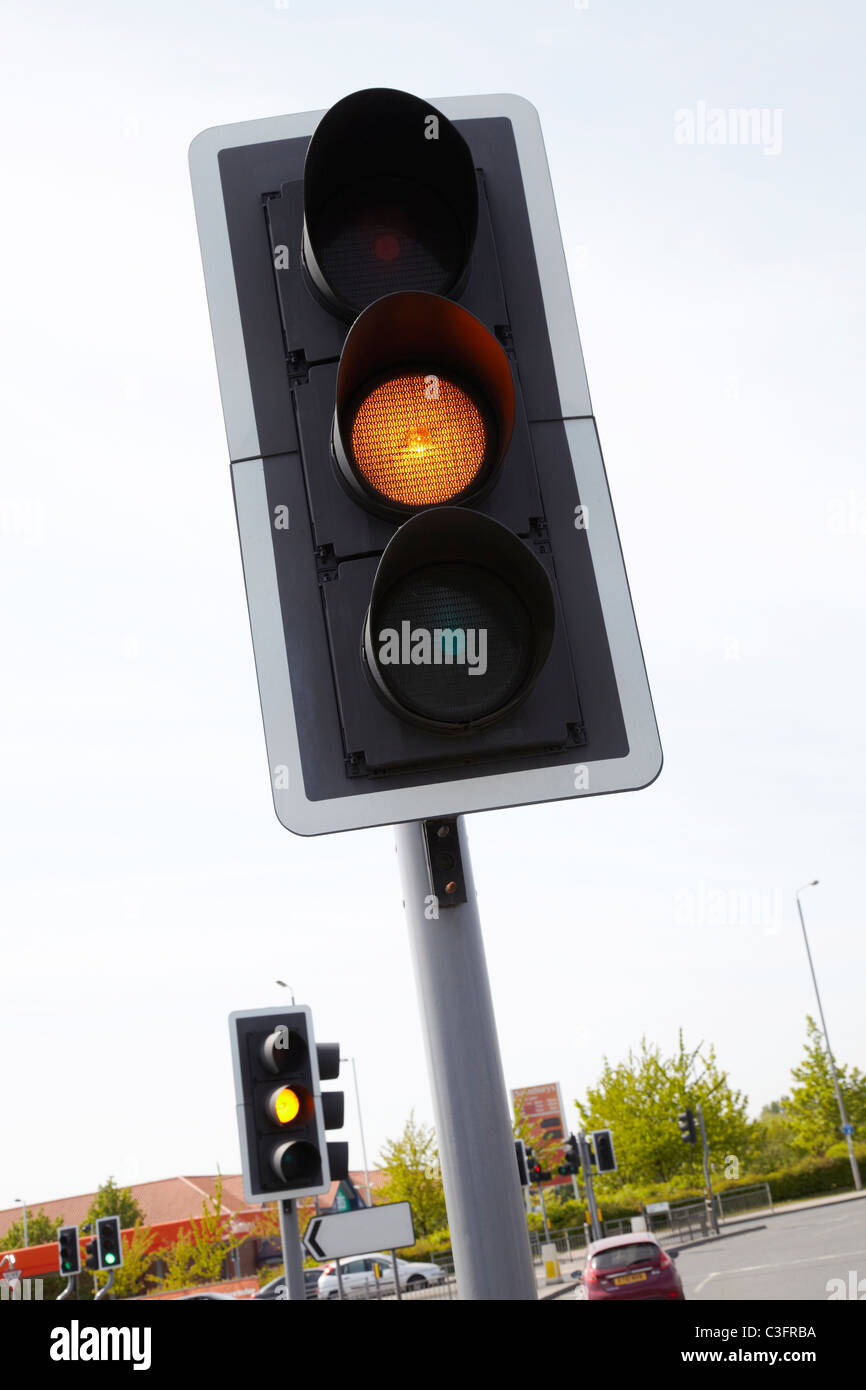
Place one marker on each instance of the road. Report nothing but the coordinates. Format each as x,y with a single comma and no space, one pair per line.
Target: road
792,1255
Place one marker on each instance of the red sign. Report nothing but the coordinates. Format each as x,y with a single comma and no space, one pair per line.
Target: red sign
541,1108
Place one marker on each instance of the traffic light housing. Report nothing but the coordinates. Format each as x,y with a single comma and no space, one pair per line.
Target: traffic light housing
440,614
602,1145
571,1156
534,1170
91,1252
522,1162
283,1114
69,1250
109,1242
686,1122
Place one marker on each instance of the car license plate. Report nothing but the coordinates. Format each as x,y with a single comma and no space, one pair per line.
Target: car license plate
630,1279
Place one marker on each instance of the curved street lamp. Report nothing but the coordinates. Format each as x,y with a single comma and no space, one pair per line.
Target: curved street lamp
847,1129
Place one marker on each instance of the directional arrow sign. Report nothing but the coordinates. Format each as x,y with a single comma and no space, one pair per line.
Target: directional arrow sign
358,1232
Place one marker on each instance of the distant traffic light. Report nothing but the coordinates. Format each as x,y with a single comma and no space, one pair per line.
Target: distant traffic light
439,608
282,1112
69,1251
522,1162
602,1143
109,1242
535,1172
572,1157
688,1130
91,1251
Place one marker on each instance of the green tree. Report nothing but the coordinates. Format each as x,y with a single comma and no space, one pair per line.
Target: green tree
412,1174
639,1100
111,1200
199,1253
40,1230
775,1145
811,1109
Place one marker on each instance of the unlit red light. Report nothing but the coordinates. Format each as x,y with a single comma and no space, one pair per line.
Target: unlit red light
386,247
419,439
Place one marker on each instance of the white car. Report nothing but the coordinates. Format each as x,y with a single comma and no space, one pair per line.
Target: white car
359,1273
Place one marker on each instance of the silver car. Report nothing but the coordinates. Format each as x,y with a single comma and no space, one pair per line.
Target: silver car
359,1274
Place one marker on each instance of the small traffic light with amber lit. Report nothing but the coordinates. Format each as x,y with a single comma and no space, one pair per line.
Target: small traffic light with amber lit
68,1249
282,1112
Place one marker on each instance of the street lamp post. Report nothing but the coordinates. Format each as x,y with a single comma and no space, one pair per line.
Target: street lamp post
24,1205
361,1127
846,1128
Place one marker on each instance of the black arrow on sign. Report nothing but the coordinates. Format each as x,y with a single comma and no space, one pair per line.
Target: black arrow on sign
310,1240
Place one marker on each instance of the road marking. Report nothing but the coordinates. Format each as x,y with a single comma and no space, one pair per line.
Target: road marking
714,1275
780,1264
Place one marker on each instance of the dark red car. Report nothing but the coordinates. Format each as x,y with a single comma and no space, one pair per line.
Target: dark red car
629,1267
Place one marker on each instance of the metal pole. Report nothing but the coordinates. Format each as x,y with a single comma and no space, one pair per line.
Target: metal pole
396,1275
293,1260
361,1128
706,1162
70,1290
103,1292
855,1170
586,1165
339,1281
24,1205
492,1257
543,1213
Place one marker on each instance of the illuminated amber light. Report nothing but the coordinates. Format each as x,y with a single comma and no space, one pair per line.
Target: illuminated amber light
287,1105
418,439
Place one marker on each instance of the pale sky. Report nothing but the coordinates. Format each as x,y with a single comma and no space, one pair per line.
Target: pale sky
148,889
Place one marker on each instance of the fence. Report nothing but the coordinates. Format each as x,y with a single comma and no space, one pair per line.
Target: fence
741,1199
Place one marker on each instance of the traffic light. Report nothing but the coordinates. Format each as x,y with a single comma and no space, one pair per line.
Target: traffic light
686,1122
283,1114
439,609
571,1156
91,1252
68,1249
602,1143
522,1162
109,1243
534,1170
